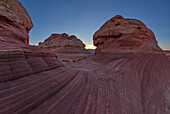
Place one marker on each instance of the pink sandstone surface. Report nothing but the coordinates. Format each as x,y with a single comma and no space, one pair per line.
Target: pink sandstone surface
32,80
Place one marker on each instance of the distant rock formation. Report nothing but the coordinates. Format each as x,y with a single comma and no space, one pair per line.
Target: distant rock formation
125,35
61,40
68,48
33,81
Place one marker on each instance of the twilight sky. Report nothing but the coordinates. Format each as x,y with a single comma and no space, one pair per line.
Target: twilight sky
83,17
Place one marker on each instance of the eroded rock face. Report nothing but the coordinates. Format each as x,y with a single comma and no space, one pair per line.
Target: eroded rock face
68,48
125,35
14,20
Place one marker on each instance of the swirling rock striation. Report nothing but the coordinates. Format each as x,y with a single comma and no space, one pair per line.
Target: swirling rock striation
33,81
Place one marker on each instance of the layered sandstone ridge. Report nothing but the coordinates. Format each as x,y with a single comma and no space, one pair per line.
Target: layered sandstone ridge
68,48
15,22
17,61
125,35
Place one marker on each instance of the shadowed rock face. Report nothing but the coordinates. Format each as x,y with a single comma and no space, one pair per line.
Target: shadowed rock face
33,81
125,35
68,48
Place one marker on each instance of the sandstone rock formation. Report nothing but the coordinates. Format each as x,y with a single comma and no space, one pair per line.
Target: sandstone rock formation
125,35
17,59
61,40
14,20
33,81
68,48
131,78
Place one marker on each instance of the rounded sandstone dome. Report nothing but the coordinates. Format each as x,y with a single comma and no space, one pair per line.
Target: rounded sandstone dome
12,10
62,40
125,35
